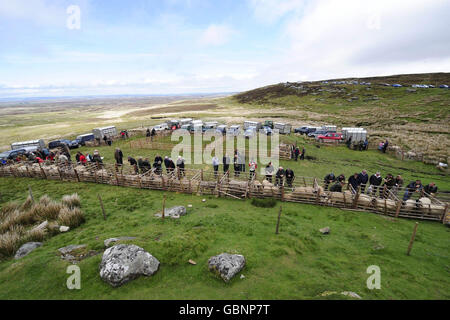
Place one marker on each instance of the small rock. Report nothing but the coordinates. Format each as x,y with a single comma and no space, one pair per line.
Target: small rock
242,276
107,242
63,229
42,226
226,265
325,230
192,262
124,262
203,200
26,249
189,205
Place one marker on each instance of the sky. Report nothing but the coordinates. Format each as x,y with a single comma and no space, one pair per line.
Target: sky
109,47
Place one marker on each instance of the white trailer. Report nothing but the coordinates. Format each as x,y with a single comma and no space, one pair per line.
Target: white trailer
255,124
234,130
211,124
283,128
33,143
356,134
185,121
99,133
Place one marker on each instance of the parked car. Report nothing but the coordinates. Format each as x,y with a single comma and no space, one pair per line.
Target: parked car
82,139
397,85
59,143
317,133
301,130
161,127
11,154
443,86
329,136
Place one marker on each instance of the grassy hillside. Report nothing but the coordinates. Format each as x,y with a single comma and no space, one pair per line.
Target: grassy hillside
299,263
415,119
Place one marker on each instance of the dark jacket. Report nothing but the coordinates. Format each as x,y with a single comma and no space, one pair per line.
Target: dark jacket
374,180
430,189
280,173
132,161
336,187
329,177
354,182
363,178
289,174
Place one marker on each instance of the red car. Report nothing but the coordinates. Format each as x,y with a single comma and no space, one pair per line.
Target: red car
329,136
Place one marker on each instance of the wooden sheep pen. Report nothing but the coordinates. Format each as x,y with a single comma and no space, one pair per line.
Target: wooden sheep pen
302,190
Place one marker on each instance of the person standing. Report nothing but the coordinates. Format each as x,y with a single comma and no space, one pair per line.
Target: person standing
430,189
289,177
329,178
296,153
279,177
118,155
180,165
385,146
353,183
363,179
226,163
412,187
215,163
252,168
374,183
302,156
133,163
269,172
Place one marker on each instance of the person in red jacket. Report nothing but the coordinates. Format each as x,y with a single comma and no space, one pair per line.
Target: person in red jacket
83,159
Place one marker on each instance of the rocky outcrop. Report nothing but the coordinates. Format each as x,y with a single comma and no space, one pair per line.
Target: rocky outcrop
122,263
26,249
226,265
174,212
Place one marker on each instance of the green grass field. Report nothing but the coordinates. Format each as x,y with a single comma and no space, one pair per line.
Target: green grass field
299,263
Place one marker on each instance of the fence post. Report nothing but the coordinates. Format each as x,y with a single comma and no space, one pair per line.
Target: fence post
163,207
101,205
43,171
412,239
278,220
31,194
445,213
399,206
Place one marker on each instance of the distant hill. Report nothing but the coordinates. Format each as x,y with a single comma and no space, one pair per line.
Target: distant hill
289,88
413,118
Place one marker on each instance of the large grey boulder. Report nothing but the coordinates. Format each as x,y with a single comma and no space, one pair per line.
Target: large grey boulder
26,249
226,265
124,262
109,241
41,226
174,212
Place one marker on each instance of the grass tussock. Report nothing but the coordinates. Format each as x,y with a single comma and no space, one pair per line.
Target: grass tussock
71,217
72,201
18,221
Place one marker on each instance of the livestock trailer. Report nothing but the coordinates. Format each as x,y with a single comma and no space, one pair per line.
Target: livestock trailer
255,124
33,143
99,133
283,128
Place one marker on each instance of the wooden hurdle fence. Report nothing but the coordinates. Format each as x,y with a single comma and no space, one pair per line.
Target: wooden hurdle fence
240,185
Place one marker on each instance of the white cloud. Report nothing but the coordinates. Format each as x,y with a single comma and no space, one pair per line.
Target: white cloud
269,11
216,35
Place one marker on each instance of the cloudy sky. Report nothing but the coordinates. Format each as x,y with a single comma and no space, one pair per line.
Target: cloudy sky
200,46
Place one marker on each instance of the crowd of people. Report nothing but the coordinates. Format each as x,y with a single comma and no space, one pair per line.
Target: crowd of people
376,184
